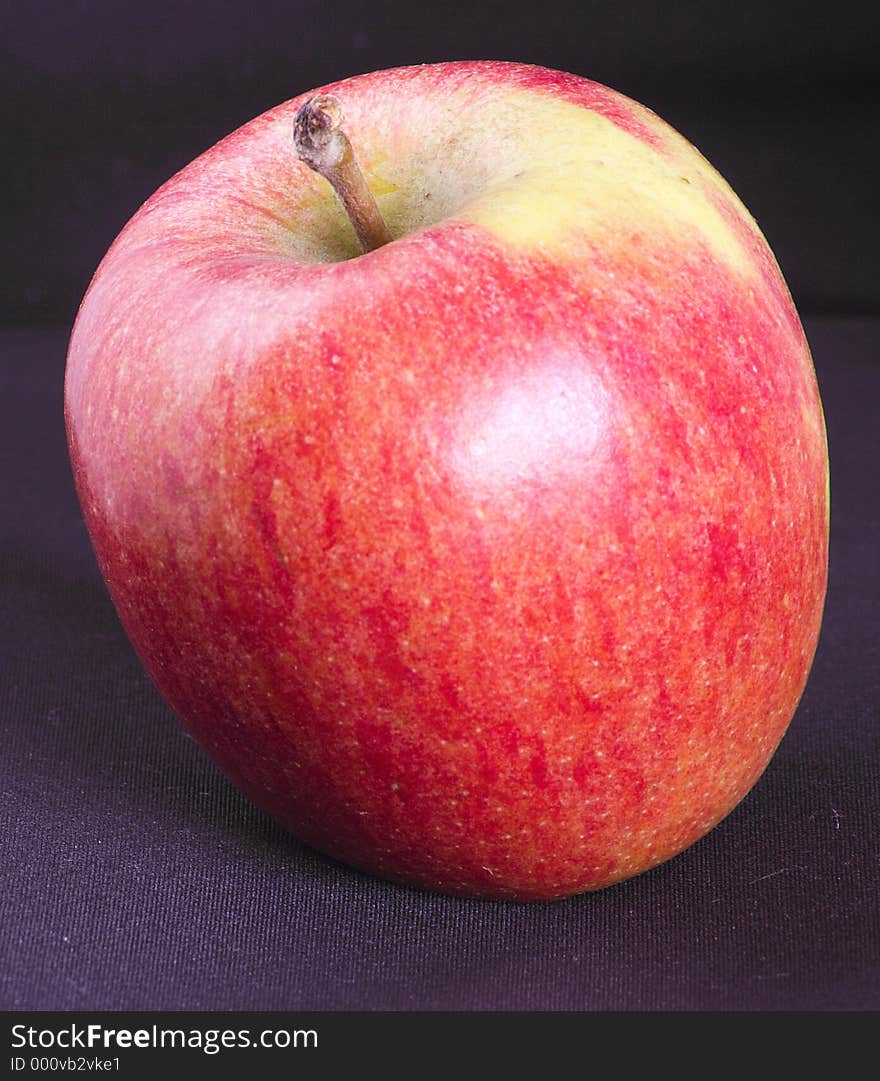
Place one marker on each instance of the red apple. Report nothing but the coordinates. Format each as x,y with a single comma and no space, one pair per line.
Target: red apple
493,560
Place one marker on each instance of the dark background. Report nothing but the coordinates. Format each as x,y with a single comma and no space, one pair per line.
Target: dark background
133,875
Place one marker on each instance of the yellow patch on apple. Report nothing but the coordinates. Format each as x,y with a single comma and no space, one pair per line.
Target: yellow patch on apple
601,177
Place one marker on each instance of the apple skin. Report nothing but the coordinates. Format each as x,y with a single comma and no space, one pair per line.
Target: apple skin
493,561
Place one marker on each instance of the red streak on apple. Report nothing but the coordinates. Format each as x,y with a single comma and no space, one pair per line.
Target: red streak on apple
489,566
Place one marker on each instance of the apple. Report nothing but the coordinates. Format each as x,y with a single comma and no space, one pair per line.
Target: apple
490,560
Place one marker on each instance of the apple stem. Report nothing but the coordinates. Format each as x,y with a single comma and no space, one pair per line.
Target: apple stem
321,143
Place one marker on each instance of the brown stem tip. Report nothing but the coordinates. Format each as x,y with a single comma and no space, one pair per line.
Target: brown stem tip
320,142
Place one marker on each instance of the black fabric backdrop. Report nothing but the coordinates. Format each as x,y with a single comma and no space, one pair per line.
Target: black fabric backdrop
133,875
